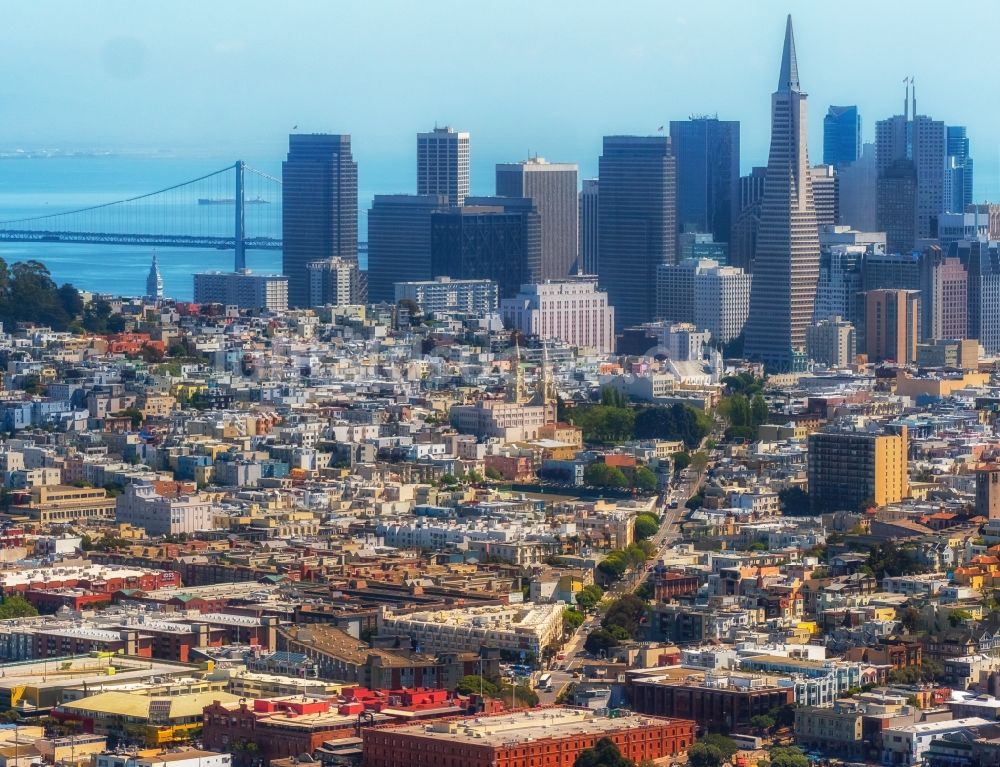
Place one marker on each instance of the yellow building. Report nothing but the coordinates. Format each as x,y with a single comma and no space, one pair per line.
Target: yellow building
65,503
154,720
849,467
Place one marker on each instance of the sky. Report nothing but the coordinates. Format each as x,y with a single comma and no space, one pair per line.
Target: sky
548,77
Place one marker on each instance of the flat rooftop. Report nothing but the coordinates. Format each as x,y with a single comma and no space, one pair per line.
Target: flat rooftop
85,669
528,726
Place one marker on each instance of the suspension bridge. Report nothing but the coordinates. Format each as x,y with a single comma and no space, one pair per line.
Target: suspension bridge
234,208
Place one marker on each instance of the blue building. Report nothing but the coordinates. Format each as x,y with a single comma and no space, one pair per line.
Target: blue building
841,136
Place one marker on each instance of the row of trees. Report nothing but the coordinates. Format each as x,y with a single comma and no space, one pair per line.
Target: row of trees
622,622
599,474
744,414
616,420
618,562
646,525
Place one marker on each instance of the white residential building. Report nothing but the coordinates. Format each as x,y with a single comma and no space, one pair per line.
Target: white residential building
142,506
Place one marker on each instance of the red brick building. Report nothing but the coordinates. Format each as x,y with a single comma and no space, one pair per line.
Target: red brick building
716,705
284,727
668,584
542,737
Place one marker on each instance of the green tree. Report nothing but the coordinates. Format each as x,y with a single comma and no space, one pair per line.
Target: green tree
763,722
473,684
589,596
727,746
703,755
492,473
603,753
600,639
681,460
643,479
788,756
572,619
600,474
613,397
16,606
646,526
627,612
955,617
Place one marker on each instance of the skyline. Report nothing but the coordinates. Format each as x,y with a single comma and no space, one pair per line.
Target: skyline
125,74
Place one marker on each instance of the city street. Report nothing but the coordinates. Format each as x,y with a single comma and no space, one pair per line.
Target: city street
669,533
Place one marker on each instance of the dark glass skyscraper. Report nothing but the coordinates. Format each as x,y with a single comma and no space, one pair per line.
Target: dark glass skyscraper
959,168
399,241
707,151
786,266
635,222
319,207
488,238
841,135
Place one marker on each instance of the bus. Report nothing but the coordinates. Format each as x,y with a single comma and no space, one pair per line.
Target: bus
544,682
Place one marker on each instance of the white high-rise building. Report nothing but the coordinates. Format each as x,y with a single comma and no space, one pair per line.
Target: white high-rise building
570,310
335,282
242,289
722,301
675,288
443,164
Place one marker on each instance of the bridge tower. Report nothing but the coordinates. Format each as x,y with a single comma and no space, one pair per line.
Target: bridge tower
239,234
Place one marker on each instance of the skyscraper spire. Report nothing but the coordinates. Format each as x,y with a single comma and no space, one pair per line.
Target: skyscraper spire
786,265
788,79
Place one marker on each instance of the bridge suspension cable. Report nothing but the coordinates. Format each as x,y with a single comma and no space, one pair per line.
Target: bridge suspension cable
191,213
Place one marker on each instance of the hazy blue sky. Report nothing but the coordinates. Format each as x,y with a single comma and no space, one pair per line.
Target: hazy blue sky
231,78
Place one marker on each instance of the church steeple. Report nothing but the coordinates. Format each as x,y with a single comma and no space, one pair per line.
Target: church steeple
788,79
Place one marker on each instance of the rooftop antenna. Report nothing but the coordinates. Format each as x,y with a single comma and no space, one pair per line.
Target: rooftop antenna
913,84
906,99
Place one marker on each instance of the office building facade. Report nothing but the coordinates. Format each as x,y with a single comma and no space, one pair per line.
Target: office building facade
826,194
319,207
675,288
245,290
488,238
786,264
552,187
336,282
841,136
571,310
722,301
399,240
910,152
444,295
831,342
707,152
981,259
856,191
850,467
944,292
959,170
636,222
589,201
891,325
744,241
443,164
